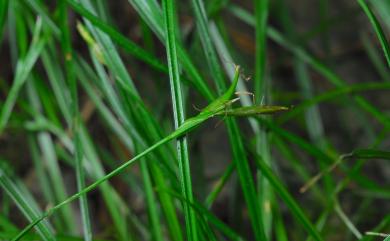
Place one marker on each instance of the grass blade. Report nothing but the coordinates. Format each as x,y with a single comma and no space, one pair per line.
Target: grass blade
220,184
76,119
288,199
152,207
262,90
152,15
331,95
202,211
378,29
178,111
3,14
124,42
23,69
25,202
51,163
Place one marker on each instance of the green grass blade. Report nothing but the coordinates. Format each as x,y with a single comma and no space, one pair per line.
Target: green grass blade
177,100
312,116
347,221
383,9
305,145
75,124
375,56
215,6
247,184
261,15
288,199
152,15
21,31
42,11
151,203
299,169
25,202
124,42
50,159
378,29
3,15
202,211
57,82
220,184
39,167
11,25
116,206
262,90
331,95
23,68
280,230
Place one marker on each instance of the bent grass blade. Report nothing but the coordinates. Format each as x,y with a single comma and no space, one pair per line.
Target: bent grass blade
217,107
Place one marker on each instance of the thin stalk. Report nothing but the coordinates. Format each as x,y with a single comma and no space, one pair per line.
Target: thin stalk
262,90
75,124
178,111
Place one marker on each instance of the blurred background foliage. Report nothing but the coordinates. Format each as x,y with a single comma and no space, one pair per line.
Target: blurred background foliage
86,85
